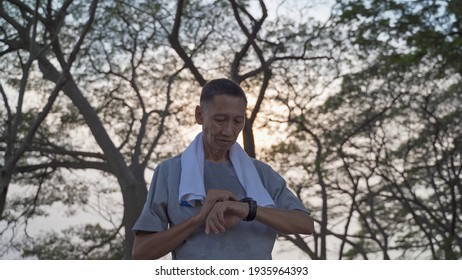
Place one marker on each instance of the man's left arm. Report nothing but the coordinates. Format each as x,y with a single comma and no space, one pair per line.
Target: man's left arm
286,221
282,220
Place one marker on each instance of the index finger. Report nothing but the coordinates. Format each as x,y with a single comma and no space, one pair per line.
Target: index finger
221,195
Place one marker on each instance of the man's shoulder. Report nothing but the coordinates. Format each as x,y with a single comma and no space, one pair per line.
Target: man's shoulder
269,177
173,160
262,166
259,163
171,163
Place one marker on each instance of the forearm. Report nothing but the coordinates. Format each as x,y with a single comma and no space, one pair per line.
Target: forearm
286,221
156,245
159,244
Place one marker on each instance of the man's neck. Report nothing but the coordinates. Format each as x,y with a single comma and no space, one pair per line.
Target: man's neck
216,156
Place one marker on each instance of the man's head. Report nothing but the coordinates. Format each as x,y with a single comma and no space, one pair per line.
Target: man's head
220,87
222,115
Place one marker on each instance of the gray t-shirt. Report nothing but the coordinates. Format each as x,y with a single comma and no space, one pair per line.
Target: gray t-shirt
247,240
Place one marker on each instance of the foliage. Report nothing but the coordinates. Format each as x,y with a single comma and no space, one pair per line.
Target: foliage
114,73
90,242
365,108
383,151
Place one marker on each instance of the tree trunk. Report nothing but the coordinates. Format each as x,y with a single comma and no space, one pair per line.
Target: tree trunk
133,189
249,141
134,197
5,179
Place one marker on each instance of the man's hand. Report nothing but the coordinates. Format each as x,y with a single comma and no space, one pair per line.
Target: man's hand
158,244
224,215
214,196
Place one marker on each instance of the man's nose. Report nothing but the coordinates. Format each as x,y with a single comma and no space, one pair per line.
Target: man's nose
228,129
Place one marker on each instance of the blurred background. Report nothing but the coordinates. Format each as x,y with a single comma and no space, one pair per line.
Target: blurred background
357,104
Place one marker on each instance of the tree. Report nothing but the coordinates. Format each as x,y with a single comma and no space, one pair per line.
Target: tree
107,87
390,149
260,57
252,54
417,61
57,31
12,134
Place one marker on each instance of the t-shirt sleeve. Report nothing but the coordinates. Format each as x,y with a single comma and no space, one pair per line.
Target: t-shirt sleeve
154,215
283,197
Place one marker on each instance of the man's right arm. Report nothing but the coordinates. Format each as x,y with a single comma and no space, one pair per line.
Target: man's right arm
154,245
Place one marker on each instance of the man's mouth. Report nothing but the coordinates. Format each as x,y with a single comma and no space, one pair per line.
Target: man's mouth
224,141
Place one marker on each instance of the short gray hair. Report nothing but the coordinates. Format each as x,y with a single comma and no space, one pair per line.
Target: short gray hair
220,87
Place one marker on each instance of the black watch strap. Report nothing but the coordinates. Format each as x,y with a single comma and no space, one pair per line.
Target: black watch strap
252,208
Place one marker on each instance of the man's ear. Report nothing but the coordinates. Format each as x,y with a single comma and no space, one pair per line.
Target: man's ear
199,115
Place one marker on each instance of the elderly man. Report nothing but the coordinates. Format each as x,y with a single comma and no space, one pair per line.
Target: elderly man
213,201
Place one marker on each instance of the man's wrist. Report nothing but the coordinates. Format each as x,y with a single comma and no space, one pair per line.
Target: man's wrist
252,208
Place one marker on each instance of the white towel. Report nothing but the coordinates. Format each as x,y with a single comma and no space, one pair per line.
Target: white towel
192,187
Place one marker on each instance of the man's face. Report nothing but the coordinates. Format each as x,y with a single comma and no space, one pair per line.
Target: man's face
222,120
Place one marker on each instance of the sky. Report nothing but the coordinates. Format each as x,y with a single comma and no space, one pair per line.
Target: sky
57,220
